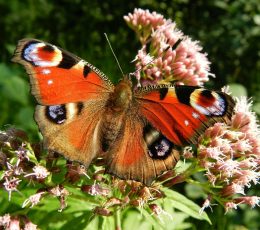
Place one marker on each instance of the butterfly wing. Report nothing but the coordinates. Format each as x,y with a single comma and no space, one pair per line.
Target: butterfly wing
161,119
57,76
72,129
71,94
166,117
134,155
182,113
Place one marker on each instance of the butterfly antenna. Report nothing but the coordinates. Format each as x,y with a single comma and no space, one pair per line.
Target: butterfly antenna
114,54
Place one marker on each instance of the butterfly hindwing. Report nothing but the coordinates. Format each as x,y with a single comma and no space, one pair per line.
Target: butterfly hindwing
140,152
72,129
59,77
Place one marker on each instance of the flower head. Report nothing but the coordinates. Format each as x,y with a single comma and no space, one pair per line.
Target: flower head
95,189
173,57
5,220
33,199
22,154
39,172
143,22
158,211
250,200
61,193
230,206
206,204
229,153
14,224
11,185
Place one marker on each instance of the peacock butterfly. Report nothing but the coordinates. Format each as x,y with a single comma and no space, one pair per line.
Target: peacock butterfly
82,115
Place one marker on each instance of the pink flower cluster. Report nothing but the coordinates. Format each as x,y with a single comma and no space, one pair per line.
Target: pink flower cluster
15,172
16,222
16,160
167,55
230,155
143,22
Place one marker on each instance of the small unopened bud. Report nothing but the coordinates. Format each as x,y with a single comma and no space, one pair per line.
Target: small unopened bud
176,180
102,211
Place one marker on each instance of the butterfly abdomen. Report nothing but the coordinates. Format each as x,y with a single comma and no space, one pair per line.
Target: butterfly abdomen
110,128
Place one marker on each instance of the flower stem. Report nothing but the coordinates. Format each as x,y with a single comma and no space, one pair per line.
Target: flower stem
117,217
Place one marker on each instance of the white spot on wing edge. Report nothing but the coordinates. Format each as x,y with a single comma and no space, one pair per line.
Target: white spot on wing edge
186,122
49,82
79,65
46,71
195,115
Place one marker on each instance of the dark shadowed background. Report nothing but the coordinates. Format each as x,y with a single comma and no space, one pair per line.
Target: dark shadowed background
229,31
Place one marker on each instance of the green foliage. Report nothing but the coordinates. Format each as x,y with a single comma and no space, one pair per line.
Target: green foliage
79,215
228,30
16,107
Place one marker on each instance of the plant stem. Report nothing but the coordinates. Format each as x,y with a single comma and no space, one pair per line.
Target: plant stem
117,217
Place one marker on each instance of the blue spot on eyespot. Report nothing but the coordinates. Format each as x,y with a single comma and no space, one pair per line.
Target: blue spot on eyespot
161,148
56,113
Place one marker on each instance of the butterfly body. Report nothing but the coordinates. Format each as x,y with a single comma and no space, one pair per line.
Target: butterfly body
82,115
119,105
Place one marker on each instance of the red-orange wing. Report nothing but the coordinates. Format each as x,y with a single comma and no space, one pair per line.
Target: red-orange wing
57,76
134,153
72,129
72,95
182,113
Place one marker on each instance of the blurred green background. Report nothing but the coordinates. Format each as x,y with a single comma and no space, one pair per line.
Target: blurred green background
229,31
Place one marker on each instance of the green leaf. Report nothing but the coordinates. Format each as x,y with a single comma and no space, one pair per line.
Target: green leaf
185,205
24,118
237,90
182,166
78,222
194,191
256,108
12,86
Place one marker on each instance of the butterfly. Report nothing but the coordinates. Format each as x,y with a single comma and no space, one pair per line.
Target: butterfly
136,130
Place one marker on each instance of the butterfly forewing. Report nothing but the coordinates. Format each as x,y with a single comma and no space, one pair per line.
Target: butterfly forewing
182,113
72,95
59,77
